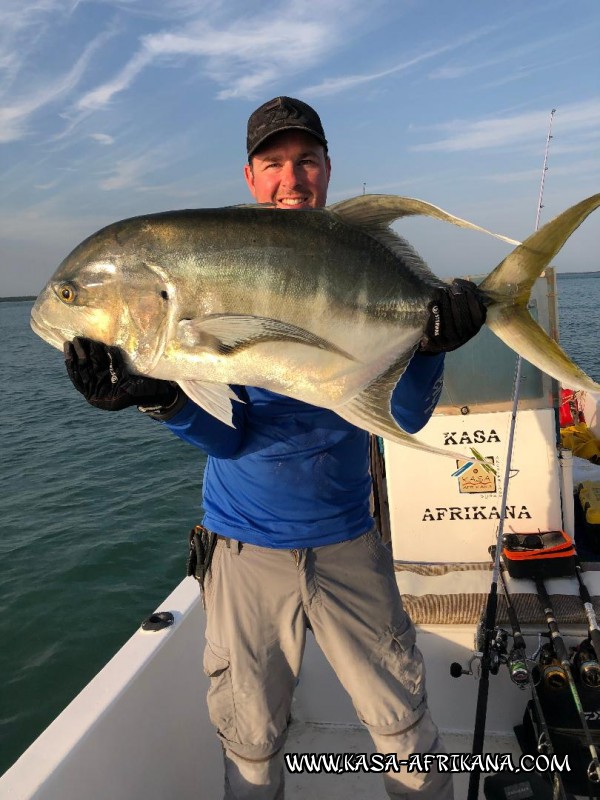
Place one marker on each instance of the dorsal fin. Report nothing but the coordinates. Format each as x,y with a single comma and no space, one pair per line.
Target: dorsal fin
372,212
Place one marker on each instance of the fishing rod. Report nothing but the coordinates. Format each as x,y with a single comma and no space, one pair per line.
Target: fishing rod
552,554
593,770
586,656
522,675
489,653
544,171
593,627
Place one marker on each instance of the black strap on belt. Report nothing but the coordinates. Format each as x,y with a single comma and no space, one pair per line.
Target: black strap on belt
202,545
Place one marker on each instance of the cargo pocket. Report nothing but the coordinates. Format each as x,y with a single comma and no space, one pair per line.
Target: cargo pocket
398,691
221,706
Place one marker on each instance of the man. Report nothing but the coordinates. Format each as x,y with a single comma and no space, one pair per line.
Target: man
287,493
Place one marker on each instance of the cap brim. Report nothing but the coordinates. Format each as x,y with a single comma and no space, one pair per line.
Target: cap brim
312,133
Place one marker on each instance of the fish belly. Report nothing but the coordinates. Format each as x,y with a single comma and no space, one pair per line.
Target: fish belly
315,376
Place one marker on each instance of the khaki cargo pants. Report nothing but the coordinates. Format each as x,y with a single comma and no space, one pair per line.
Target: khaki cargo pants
259,603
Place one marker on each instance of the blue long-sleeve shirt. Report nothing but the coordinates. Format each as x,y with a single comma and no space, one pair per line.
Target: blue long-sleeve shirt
292,475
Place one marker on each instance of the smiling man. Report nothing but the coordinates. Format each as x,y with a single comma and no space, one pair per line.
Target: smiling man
302,476
288,163
287,520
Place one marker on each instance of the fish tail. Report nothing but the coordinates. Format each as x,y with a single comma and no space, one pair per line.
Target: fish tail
507,289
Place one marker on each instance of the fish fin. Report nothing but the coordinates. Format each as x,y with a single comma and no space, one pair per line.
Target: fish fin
215,398
230,333
370,410
379,210
372,404
507,288
516,328
373,213
513,278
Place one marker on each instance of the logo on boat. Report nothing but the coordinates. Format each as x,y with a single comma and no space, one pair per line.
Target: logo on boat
474,477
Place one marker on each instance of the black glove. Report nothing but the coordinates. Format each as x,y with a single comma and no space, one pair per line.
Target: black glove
99,373
456,313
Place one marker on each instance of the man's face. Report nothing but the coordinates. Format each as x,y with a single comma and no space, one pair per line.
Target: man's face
290,170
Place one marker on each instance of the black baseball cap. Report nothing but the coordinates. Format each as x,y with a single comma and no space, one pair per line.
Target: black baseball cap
282,114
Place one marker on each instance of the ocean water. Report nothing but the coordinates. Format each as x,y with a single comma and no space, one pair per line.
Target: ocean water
579,319
95,508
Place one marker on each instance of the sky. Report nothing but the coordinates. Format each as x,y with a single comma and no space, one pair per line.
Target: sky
113,108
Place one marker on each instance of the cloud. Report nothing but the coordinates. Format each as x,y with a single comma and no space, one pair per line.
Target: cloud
512,55
21,25
28,29
126,173
586,167
232,51
134,172
510,131
15,114
102,95
102,138
46,186
336,85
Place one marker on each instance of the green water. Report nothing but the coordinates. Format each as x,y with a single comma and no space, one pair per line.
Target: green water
95,508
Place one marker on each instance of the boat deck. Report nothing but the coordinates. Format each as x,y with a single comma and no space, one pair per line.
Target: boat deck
140,729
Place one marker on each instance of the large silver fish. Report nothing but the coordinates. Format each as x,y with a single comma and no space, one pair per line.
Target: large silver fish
327,306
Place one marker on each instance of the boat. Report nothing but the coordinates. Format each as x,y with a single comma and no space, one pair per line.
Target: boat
140,728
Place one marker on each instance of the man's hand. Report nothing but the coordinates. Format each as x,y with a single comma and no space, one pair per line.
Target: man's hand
99,373
456,313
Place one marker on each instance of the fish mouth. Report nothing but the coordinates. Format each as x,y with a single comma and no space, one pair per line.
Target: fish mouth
53,336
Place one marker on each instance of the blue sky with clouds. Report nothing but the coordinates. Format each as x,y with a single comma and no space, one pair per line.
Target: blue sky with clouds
112,108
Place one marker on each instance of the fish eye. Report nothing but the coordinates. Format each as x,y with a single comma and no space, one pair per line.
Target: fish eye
67,293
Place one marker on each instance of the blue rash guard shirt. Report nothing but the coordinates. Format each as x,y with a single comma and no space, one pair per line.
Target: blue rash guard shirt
292,475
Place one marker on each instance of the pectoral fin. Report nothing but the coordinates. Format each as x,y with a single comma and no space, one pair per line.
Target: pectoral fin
370,410
215,398
228,334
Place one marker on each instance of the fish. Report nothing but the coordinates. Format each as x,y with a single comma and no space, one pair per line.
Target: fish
327,306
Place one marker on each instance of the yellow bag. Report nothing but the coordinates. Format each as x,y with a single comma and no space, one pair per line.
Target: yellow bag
581,441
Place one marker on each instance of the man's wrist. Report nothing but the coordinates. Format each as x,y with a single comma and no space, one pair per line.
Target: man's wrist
162,412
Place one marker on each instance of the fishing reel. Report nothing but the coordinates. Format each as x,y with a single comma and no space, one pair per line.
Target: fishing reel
586,665
583,660
474,663
553,675
473,667
497,654
516,662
